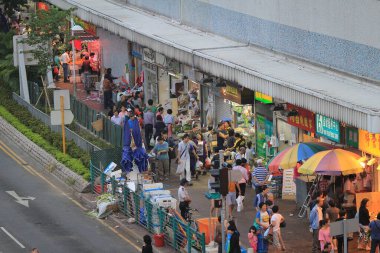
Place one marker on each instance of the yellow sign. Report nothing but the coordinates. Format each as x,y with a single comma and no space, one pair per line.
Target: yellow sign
266,99
369,142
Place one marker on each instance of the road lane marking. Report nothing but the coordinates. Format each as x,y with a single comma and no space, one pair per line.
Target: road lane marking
34,172
12,237
21,200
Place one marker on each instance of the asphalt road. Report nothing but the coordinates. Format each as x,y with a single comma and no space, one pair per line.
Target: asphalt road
53,222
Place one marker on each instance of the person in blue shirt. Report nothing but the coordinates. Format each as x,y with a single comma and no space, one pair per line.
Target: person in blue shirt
316,216
161,150
374,227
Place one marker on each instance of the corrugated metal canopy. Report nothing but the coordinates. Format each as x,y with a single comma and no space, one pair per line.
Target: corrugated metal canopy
346,99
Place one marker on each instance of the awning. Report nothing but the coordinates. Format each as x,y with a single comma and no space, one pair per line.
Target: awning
353,101
85,37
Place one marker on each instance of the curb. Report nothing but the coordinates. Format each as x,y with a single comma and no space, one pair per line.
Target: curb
48,162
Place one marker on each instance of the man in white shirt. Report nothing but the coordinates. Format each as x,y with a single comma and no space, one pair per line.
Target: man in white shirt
276,221
116,119
183,198
183,157
65,59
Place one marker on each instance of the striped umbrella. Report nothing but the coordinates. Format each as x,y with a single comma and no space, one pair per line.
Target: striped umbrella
288,158
332,162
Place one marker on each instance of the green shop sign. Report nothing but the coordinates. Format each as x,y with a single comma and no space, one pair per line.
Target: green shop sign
327,127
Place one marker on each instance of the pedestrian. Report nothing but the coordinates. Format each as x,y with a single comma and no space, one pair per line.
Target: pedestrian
252,238
159,126
183,158
65,59
221,134
234,245
184,199
247,167
262,219
34,250
233,191
108,75
332,212
169,121
244,177
107,93
208,137
327,248
86,68
375,234
260,176
230,139
160,111
241,154
364,220
218,234
116,119
172,145
261,197
276,221
147,248
201,151
161,150
151,106
148,126
340,238
316,216
250,153
324,233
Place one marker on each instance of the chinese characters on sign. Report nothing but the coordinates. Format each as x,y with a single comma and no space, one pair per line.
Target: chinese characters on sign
352,137
328,127
369,142
304,120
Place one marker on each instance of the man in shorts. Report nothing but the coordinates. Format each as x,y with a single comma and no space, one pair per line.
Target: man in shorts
276,220
231,196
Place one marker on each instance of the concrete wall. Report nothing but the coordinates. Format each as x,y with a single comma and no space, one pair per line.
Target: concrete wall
342,34
114,51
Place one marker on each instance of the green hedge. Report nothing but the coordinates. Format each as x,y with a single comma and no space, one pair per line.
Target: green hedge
75,159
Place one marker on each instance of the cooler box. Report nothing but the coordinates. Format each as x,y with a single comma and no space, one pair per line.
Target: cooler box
203,227
152,187
165,201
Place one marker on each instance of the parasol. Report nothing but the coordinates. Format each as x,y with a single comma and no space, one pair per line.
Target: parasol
127,156
139,154
288,158
332,162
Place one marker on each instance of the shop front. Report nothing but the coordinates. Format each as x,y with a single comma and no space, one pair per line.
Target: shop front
240,101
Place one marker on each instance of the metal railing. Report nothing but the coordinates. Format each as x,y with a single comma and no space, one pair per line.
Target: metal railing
70,135
86,116
178,234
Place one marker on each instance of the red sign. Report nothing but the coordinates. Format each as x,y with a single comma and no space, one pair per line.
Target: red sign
304,120
42,6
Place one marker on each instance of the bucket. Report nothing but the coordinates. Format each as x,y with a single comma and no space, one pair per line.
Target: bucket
203,227
159,240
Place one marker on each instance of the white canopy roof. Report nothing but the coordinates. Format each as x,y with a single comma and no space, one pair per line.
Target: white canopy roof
353,101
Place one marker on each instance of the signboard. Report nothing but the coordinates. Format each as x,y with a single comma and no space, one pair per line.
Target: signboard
337,228
239,95
23,50
288,185
260,136
149,55
352,137
369,142
56,117
373,204
327,127
304,120
263,98
57,100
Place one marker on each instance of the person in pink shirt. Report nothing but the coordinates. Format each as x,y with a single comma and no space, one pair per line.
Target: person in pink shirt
324,233
244,179
252,238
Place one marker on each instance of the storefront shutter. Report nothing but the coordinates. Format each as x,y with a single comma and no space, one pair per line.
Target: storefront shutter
223,110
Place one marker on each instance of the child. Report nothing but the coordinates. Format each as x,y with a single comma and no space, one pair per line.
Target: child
252,238
147,248
324,233
327,248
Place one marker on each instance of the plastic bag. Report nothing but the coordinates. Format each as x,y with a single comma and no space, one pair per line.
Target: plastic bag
240,205
180,167
152,142
198,165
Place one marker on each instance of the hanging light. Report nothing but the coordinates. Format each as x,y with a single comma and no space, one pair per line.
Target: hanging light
372,161
363,159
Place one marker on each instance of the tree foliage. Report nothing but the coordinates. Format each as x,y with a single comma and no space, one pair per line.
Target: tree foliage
10,6
8,73
48,31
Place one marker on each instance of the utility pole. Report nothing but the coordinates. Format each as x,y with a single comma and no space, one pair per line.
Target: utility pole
223,211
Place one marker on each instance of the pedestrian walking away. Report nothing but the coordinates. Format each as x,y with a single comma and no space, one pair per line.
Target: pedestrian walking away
65,59
147,248
260,176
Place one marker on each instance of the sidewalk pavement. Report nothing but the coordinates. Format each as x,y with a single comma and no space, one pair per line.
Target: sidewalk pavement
296,234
